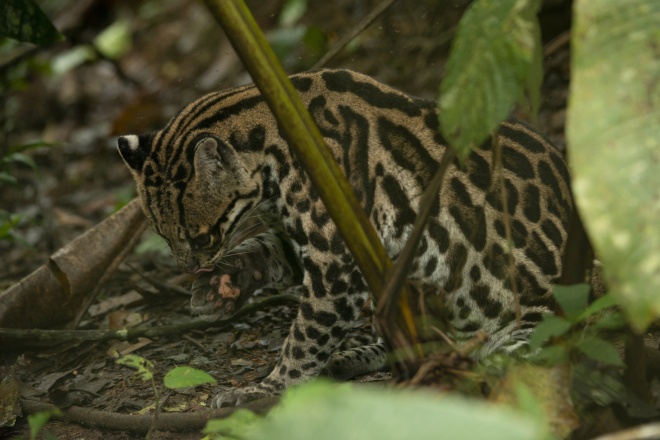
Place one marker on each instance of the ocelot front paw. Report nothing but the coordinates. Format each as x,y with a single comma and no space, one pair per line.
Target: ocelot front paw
220,293
241,396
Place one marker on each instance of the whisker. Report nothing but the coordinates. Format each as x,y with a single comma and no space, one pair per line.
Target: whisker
241,231
234,254
240,235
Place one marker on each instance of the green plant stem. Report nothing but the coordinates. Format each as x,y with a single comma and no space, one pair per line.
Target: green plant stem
426,205
305,139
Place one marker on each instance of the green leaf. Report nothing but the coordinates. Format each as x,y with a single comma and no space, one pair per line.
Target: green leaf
38,420
599,350
613,132
611,321
69,59
114,41
5,177
7,223
551,326
21,158
143,366
292,11
322,411
552,355
489,63
598,305
32,146
22,20
572,299
238,425
184,377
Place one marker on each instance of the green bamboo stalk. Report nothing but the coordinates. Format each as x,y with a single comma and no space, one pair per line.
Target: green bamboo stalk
328,179
305,139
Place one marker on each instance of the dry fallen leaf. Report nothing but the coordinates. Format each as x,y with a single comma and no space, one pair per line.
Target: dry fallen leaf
56,292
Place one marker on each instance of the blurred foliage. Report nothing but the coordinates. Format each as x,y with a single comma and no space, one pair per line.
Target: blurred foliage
16,156
37,422
322,411
23,20
495,54
13,158
286,39
114,41
579,328
613,131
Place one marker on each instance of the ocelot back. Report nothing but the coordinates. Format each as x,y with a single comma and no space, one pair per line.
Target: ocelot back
223,158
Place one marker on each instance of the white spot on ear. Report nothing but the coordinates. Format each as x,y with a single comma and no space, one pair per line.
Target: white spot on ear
132,140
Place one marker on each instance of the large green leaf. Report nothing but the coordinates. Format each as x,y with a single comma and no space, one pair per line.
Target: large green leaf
322,411
613,131
22,20
185,376
490,62
572,299
551,326
600,350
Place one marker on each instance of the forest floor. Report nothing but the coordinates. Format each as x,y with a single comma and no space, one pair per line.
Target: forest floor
71,97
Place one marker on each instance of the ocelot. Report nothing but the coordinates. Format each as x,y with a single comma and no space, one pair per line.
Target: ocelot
223,159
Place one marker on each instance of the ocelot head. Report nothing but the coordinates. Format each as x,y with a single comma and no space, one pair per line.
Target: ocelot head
194,191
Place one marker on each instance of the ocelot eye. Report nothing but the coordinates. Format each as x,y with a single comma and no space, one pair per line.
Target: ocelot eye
201,241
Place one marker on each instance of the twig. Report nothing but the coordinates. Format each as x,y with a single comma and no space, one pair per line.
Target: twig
556,43
36,336
424,370
181,422
196,343
357,29
397,278
160,286
402,267
445,338
497,159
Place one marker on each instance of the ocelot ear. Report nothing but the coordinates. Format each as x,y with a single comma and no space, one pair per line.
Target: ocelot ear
134,150
208,161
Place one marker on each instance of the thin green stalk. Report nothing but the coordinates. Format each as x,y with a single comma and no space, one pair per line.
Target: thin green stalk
304,138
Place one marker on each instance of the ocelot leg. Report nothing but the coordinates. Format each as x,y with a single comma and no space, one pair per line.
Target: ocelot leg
356,361
327,312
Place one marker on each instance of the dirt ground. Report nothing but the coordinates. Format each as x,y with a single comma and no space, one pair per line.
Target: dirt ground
177,53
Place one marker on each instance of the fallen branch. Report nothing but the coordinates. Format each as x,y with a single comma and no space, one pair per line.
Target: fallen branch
178,422
43,337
